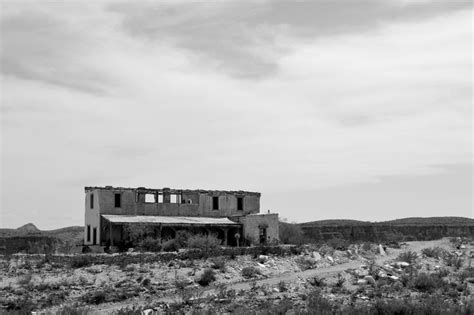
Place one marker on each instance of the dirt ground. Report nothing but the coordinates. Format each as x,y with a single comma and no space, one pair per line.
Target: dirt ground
343,276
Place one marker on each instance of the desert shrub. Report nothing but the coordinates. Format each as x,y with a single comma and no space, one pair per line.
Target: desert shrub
74,310
305,263
434,252
94,297
408,256
26,280
340,280
150,244
317,304
136,232
282,286
146,282
171,245
317,282
22,304
207,277
338,243
182,238
427,282
206,243
466,273
218,263
454,261
80,261
250,272
290,233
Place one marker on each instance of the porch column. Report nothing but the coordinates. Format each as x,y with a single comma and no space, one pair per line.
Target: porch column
110,234
226,243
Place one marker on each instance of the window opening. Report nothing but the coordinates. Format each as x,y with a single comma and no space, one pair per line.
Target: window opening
92,201
240,203
215,203
118,200
150,198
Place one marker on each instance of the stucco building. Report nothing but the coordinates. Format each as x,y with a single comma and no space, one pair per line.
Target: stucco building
231,215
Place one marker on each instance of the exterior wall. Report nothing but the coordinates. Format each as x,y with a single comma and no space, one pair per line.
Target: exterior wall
128,203
227,205
253,222
92,216
194,204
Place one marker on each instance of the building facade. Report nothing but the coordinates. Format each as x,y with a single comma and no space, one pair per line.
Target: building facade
231,215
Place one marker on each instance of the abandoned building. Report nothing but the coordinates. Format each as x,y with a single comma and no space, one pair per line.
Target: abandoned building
233,216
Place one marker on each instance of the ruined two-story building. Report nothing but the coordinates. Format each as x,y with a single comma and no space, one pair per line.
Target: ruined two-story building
231,215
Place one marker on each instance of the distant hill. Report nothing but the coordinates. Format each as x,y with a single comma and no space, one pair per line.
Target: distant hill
28,228
67,234
400,222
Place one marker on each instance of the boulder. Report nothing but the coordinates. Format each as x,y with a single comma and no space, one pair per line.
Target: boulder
370,279
362,282
382,251
262,258
317,256
330,258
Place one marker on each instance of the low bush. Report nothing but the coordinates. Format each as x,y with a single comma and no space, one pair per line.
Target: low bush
150,244
94,297
206,243
171,245
454,261
305,263
250,272
408,256
218,263
80,261
282,286
207,277
434,252
338,243
427,282
466,273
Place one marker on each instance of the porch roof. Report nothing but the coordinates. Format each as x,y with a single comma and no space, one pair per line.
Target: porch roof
169,220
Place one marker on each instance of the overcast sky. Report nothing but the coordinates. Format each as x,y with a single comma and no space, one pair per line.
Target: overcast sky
330,109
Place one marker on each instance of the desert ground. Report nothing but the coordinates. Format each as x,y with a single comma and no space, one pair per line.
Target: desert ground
308,279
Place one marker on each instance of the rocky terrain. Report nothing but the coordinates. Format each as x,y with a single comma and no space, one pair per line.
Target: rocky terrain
433,277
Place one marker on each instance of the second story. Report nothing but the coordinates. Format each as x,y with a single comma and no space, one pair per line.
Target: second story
170,202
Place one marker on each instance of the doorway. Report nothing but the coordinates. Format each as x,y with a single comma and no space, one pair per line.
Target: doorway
263,235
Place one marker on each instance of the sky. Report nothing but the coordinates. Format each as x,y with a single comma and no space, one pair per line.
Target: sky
331,109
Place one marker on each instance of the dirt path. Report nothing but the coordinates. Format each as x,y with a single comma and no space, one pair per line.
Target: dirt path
291,277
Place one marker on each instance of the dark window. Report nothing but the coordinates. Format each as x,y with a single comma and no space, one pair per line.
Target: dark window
94,236
215,203
92,201
118,200
88,233
240,203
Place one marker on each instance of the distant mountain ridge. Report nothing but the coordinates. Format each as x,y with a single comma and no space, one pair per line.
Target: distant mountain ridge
404,221
70,233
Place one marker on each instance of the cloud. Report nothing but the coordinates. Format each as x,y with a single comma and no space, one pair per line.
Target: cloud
38,44
246,39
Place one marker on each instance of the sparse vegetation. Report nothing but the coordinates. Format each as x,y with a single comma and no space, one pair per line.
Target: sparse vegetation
208,276
250,272
408,256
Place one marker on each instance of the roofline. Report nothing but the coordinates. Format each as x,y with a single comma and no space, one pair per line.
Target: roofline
170,190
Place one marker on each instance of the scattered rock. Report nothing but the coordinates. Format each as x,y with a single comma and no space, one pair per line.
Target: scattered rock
362,282
370,279
317,256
